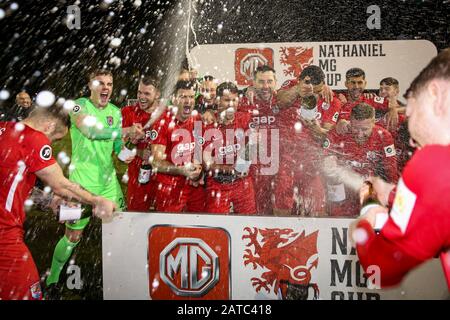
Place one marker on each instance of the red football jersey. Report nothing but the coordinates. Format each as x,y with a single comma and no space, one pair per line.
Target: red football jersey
418,227
380,104
133,115
23,152
183,142
376,157
327,112
228,146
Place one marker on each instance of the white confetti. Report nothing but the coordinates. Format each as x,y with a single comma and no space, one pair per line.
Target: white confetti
115,42
4,94
45,99
69,105
19,126
360,236
89,121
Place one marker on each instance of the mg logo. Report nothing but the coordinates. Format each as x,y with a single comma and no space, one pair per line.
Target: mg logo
189,262
250,63
180,263
248,60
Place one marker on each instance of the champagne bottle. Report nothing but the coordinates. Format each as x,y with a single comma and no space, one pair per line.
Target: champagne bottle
370,200
242,165
66,213
145,173
308,109
127,151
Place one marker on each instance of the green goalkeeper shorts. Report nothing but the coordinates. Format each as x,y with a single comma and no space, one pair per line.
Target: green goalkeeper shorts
112,191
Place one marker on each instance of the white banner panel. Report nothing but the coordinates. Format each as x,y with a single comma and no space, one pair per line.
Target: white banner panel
401,59
180,256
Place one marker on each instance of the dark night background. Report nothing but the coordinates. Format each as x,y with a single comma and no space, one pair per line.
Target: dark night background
38,51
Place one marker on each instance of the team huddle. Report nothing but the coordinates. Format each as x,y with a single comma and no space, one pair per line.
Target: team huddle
262,151
212,149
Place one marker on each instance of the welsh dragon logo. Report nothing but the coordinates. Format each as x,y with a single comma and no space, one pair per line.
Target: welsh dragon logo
290,256
296,58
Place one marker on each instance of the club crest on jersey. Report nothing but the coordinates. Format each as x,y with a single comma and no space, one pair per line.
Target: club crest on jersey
36,292
275,109
153,134
325,106
46,152
76,109
326,144
109,120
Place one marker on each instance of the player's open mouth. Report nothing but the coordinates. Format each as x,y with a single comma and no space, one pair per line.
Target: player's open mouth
104,96
143,102
187,110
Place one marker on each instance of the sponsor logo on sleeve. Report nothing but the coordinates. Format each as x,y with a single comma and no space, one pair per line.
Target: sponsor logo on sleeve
389,151
336,116
378,99
403,207
46,152
76,109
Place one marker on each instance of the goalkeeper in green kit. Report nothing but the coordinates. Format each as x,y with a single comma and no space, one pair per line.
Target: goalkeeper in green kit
95,132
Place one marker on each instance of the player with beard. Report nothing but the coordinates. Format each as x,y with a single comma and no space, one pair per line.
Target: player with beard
386,113
207,98
266,118
144,113
174,155
312,81
96,133
228,182
367,150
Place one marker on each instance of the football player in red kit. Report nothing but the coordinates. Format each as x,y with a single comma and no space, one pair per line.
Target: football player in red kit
26,154
367,150
299,189
416,228
266,117
140,197
312,80
386,113
176,155
227,157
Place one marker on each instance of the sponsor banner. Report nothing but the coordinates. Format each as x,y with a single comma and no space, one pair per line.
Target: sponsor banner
184,256
401,59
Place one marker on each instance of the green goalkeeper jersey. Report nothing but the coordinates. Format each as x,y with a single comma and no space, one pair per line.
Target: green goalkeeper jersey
92,155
